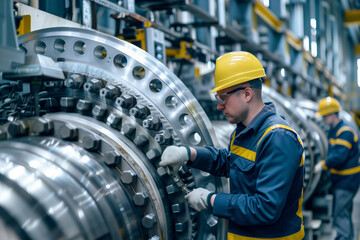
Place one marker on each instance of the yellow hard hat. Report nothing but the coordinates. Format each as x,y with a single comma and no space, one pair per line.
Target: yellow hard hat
328,106
236,67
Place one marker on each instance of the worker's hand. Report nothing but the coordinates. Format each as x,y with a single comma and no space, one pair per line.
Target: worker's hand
174,157
318,167
198,199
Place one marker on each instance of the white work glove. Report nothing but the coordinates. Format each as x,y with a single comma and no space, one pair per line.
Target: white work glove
175,157
198,199
318,167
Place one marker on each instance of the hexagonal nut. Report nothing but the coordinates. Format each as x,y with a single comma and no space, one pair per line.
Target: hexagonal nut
128,129
67,102
126,101
140,198
128,177
159,138
51,103
178,207
141,140
110,92
181,226
172,188
153,154
99,111
152,124
83,105
18,128
140,111
68,132
75,81
94,85
43,126
149,220
161,171
114,120
90,142
112,158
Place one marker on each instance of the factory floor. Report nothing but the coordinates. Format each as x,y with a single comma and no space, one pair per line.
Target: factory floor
356,221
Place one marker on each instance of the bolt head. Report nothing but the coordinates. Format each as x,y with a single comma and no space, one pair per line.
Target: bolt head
67,102
99,111
90,143
140,198
43,126
18,128
68,132
83,105
128,177
149,220
152,154
114,120
112,158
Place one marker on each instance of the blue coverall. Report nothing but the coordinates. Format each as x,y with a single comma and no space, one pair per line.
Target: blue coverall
343,162
264,164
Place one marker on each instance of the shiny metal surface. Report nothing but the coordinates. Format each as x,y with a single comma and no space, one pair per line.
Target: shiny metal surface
90,163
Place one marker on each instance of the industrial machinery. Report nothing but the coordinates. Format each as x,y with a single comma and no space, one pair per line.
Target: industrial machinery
83,122
86,166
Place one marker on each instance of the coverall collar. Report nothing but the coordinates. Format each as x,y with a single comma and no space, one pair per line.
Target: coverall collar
255,124
337,126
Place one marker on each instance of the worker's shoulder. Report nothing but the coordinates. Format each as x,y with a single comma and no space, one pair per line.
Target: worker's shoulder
344,128
275,125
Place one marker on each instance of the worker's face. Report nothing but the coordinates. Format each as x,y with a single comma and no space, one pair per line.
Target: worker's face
328,119
234,105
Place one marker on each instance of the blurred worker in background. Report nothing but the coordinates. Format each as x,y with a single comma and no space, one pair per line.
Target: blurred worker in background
343,162
263,161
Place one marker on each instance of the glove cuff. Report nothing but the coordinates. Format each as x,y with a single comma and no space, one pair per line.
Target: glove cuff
188,152
208,199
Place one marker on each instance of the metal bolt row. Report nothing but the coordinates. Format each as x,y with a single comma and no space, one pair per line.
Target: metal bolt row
112,158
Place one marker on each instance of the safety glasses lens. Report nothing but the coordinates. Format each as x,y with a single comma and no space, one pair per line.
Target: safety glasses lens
220,98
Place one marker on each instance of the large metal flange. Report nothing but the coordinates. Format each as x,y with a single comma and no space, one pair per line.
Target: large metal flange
124,107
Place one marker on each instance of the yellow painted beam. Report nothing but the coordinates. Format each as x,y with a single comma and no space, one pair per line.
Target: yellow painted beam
139,39
293,41
180,53
352,17
357,49
268,16
25,25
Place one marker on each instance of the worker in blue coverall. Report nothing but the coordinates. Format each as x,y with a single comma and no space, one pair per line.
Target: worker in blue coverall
343,163
264,160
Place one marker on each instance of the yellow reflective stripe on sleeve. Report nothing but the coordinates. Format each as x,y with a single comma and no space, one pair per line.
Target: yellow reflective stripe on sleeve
296,236
339,141
243,152
349,171
287,128
346,128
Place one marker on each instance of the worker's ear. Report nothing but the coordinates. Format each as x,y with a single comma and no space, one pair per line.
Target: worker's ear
249,93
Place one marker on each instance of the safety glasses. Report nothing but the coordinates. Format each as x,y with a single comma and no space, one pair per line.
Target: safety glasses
222,97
